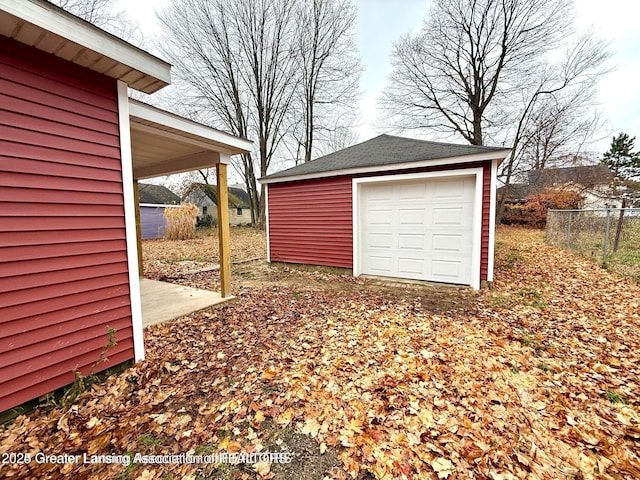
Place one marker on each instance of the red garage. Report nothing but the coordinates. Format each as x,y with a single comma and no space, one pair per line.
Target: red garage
391,206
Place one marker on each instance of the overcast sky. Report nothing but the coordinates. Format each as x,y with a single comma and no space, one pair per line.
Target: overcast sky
381,22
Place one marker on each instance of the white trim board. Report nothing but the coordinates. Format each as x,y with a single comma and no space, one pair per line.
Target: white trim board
266,214
476,251
158,205
492,220
130,221
480,157
184,130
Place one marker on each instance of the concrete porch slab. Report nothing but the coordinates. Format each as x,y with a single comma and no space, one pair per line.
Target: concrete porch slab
163,301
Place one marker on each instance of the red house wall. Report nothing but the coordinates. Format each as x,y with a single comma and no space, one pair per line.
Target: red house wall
310,221
63,258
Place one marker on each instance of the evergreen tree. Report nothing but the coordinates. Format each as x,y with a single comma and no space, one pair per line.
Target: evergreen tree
621,159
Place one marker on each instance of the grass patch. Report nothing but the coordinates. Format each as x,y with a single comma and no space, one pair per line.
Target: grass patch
528,297
206,449
128,470
532,298
614,397
544,367
149,440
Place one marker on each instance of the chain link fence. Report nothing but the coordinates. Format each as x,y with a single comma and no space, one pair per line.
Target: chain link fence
609,236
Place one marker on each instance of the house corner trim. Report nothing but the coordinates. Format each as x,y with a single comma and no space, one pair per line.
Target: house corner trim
130,220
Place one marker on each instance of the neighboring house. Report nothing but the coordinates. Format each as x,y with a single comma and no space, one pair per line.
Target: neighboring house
72,148
390,206
591,182
152,202
204,196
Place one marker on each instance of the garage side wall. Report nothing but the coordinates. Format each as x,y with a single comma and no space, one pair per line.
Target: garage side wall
63,257
310,222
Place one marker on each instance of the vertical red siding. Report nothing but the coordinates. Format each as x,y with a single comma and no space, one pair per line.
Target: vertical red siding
63,258
306,216
311,222
486,212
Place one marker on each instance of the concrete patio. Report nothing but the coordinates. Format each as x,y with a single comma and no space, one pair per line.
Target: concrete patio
163,301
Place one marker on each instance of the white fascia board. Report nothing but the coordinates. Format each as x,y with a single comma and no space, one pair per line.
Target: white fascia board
476,248
160,118
52,19
492,219
158,205
497,155
130,222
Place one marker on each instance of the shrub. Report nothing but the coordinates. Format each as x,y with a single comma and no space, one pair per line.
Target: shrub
181,222
206,221
534,211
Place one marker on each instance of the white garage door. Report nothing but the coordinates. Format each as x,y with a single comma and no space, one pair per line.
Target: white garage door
418,229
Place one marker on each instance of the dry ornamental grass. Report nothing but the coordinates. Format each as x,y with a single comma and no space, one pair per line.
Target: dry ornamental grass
181,222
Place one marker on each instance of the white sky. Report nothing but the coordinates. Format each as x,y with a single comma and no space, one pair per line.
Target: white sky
381,22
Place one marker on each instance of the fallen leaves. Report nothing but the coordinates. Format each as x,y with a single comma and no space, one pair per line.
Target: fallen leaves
538,377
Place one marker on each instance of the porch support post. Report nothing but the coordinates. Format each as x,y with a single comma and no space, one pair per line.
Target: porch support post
136,200
223,229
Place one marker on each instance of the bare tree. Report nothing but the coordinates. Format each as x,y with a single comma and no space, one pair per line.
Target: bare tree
237,58
558,131
576,74
268,70
102,13
469,57
479,67
329,74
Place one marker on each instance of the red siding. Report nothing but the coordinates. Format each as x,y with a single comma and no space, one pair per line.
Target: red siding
63,258
486,206
310,222
301,238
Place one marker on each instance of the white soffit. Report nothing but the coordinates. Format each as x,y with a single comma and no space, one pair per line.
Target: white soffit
163,143
51,29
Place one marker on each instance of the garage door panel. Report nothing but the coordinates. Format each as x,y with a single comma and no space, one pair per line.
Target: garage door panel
418,229
381,265
379,216
446,270
411,266
411,241
411,216
378,193
380,240
412,192
447,243
449,190
448,216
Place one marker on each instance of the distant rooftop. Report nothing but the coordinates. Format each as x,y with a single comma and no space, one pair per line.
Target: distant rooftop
157,194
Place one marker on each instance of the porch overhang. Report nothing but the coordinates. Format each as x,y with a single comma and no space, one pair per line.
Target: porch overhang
163,143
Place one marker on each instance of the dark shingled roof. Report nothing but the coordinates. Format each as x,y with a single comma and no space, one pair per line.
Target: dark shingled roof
382,150
237,197
157,194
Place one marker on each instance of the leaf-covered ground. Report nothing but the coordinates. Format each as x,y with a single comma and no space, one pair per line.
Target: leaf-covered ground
537,377
168,258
